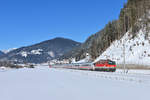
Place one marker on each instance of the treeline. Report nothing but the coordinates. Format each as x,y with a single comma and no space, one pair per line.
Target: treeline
9,64
133,17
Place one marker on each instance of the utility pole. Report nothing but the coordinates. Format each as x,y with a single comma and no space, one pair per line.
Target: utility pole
124,53
124,58
124,41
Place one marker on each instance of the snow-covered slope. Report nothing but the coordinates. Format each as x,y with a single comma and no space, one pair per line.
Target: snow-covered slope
137,50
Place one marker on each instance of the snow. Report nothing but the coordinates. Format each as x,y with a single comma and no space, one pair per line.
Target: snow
51,53
3,68
36,52
87,59
9,50
24,54
43,83
137,50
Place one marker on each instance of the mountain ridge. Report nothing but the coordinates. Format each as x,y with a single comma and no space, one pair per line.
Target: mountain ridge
1,53
41,52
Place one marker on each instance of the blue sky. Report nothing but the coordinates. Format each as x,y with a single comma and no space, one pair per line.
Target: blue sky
26,22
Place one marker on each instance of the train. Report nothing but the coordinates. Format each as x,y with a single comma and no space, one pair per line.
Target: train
101,65
105,65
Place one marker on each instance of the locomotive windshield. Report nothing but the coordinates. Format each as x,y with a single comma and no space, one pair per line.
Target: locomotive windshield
112,62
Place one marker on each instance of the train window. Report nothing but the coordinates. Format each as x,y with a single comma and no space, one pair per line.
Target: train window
112,62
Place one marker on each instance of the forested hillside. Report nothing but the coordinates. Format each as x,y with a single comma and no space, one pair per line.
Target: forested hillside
133,17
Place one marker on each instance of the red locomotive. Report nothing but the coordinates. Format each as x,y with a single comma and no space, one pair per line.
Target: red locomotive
105,65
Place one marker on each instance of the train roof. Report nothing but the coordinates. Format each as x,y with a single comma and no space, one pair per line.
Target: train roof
103,60
81,63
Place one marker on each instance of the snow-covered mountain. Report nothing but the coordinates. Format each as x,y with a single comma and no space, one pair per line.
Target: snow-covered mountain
137,50
41,52
7,51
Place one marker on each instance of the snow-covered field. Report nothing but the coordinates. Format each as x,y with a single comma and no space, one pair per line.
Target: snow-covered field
43,83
